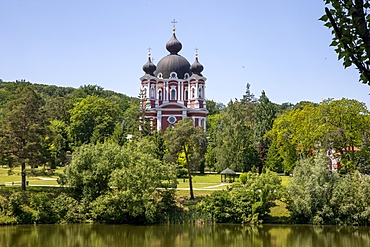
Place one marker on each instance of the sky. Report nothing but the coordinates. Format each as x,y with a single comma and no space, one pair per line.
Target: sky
277,46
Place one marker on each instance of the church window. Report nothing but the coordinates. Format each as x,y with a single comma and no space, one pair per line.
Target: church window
186,95
160,94
173,75
152,93
193,92
173,94
186,76
160,76
200,92
171,119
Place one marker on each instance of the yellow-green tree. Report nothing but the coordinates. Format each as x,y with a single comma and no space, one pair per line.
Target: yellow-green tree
189,140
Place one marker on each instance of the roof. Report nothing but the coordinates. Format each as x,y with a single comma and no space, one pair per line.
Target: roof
228,171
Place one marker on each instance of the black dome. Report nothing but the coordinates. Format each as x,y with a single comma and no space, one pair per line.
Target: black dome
149,67
196,67
173,45
173,63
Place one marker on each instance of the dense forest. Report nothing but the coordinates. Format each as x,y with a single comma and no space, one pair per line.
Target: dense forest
114,164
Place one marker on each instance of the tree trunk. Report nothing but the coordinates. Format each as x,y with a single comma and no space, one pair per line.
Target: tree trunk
189,175
23,176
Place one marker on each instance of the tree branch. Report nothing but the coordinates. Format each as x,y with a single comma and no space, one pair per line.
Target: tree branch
354,59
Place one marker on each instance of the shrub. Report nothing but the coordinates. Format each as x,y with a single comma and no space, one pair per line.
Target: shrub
243,177
182,173
243,203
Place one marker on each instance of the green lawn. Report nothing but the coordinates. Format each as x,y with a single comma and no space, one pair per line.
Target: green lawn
285,180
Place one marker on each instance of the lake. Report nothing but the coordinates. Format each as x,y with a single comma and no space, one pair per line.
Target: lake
92,235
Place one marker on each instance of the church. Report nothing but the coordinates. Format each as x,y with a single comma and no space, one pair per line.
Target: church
173,89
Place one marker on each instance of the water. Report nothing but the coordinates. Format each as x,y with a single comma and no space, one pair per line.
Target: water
183,235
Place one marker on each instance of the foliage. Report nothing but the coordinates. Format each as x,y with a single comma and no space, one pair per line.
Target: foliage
23,130
340,124
310,191
243,203
243,178
274,161
90,170
232,140
93,120
214,107
122,183
40,207
318,196
349,21
265,114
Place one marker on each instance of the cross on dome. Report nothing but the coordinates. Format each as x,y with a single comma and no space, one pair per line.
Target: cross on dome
174,25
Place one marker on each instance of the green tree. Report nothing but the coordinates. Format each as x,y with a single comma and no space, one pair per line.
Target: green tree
23,130
189,140
311,190
93,120
122,184
58,142
349,21
214,107
90,170
318,196
345,127
265,114
233,145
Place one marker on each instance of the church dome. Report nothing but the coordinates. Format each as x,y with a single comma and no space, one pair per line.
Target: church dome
196,67
149,67
173,62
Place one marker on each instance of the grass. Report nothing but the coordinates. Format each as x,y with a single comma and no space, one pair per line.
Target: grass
16,177
285,180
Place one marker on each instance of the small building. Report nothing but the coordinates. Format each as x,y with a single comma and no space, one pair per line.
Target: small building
228,173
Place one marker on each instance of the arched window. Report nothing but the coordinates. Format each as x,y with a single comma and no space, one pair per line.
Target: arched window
152,93
193,92
200,92
173,94
186,95
160,94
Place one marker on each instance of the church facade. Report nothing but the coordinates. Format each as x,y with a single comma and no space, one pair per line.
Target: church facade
173,89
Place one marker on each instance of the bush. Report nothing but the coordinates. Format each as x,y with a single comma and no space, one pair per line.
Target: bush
243,203
243,177
318,196
67,209
182,173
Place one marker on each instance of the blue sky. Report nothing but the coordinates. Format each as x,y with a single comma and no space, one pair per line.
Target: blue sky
276,46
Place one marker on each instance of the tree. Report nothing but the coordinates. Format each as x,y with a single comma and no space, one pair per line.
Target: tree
232,144
189,140
122,184
23,129
349,21
93,119
341,125
214,107
310,191
265,114
318,196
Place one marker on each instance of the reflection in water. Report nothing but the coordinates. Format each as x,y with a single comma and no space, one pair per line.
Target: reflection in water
183,235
